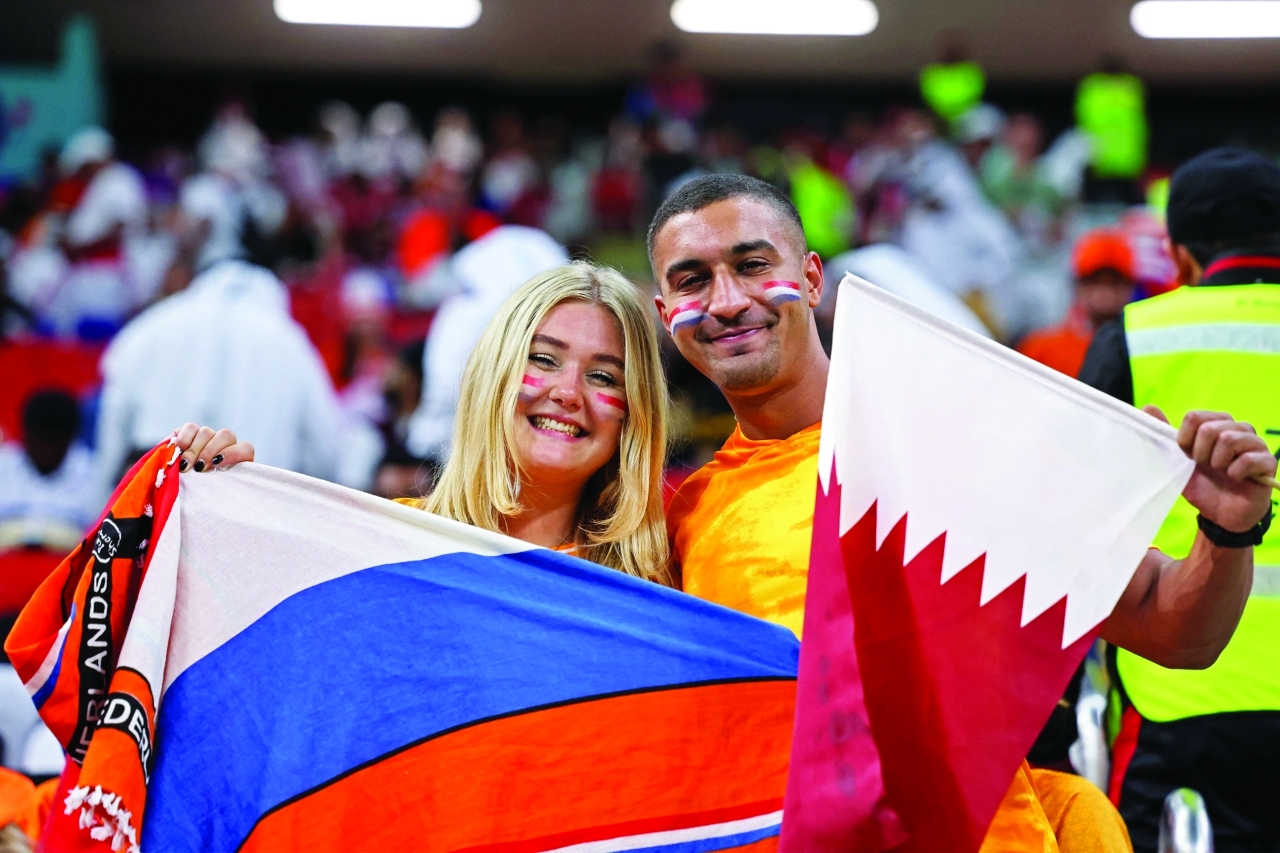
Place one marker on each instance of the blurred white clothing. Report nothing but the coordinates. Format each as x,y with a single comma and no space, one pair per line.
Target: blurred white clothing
225,352
487,271
29,746
51,510
228,207
891,268
115,198
960,238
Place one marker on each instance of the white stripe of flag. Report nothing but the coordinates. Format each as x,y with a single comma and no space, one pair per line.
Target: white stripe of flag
675,836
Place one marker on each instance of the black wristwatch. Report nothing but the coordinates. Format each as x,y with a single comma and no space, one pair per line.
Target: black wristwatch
1224,538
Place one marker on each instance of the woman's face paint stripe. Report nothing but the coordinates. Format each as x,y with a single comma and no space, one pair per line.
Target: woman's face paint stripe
615,402
530,386
686,314
778,292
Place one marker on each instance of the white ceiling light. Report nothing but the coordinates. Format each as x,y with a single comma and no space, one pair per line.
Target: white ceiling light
452,14
1206,19
777,17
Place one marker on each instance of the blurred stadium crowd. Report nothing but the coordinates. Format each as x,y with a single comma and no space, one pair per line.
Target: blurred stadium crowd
320,294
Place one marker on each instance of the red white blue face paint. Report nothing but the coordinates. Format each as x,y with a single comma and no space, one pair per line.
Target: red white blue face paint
614,402
685,314
530,388
778,292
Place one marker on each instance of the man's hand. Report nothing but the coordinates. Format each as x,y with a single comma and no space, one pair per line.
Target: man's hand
1228,455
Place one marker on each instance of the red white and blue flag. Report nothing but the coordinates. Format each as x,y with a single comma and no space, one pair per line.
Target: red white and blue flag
308,667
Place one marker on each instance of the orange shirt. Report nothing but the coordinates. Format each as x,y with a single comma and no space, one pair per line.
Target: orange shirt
1061,347
740,530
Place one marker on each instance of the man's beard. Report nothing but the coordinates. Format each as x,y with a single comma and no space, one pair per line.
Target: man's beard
746,372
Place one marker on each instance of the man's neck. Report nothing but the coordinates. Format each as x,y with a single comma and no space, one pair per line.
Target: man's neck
783,412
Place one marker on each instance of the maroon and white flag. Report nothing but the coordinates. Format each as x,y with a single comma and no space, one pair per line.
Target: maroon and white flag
978,515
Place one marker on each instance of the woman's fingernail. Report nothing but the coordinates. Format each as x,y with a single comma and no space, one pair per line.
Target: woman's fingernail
182,466
217,460
199,465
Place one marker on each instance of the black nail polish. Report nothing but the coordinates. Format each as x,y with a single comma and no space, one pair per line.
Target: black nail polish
182,466
199,466
217,460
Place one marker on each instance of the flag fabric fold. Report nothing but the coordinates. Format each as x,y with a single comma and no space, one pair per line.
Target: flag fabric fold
978,516
255,660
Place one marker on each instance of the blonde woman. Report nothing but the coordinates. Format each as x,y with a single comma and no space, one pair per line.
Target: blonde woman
560,435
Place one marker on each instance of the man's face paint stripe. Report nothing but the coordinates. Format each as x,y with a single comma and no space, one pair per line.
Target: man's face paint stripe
778,292
687,314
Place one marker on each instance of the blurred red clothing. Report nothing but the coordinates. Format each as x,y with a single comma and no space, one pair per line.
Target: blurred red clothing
1061,347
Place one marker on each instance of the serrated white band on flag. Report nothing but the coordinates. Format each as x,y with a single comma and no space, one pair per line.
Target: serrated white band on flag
673,837
1216,337
1048,478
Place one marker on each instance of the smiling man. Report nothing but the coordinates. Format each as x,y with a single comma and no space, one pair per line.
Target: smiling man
737,291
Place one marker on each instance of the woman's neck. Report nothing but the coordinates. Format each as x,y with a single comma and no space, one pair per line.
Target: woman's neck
549,520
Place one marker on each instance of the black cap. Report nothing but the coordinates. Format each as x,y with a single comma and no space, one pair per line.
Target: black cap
1224,193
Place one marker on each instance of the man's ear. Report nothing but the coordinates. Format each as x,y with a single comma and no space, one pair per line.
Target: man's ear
662,307
1189,269
813,275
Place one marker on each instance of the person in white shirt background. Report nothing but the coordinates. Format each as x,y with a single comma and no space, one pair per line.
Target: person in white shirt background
225,350
43,499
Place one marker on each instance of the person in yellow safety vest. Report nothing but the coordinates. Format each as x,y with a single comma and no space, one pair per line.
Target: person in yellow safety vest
1214,345
825,205
954,84
1111,110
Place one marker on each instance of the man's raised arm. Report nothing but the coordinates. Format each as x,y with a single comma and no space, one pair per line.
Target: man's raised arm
1181,613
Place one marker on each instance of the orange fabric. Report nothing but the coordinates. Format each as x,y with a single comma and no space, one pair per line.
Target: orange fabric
19,803
1021,823
741,528
1103,249
1082,817
1061,347
591,761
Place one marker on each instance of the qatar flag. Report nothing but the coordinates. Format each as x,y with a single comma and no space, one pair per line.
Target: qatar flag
978,516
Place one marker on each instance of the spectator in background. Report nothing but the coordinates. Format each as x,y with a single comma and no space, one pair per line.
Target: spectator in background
73,271
954,84
1104,272
400,473
1111,110
225,351
46,494
232,194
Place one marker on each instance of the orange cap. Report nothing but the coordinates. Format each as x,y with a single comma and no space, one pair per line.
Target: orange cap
1103,249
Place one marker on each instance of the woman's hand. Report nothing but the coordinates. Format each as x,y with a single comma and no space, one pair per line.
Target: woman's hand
203,449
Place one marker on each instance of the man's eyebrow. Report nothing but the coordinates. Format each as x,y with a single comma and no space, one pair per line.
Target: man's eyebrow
685,266
610,359
550,341
753,246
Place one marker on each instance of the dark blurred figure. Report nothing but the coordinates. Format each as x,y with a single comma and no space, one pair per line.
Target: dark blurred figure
46,481
400,473
1104,272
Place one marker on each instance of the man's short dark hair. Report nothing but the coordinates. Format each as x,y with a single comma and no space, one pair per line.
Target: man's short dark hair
709,189
52,416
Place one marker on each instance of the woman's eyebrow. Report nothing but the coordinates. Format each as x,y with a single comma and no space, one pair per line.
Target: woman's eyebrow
550,341
610,359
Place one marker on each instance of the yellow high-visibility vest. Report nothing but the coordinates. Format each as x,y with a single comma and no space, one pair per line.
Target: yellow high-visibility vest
1217,348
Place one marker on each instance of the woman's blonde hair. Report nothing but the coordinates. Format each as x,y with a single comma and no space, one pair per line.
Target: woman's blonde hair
620,519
